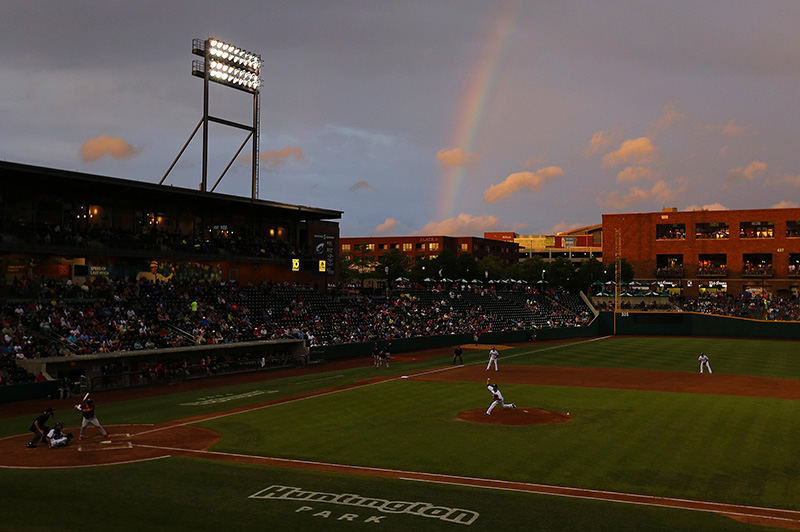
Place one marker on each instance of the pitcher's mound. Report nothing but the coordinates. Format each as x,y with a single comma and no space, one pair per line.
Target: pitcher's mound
515,416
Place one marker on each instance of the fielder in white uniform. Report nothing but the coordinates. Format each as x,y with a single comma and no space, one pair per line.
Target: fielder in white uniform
704,362
492,358
497,398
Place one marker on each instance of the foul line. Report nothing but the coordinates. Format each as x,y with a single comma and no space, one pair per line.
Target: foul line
88,465
521,487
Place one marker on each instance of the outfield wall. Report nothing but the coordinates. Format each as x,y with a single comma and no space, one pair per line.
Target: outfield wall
695,324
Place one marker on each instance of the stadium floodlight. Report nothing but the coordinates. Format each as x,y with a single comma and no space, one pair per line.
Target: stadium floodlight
227,64
235,67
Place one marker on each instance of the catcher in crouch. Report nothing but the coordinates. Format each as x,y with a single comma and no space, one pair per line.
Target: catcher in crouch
86,407
497,398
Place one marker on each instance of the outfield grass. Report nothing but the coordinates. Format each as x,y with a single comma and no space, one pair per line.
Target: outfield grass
730,449
198,495
761,358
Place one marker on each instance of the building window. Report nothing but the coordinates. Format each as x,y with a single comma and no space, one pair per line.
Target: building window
421,246
757,265
712,265
756,230
464,246
713,230
792,229
394,246
345,247
669,266
371,247
794,265
670,231
433,246
408,246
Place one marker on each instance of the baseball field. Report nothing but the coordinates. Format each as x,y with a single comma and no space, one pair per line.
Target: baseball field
608,434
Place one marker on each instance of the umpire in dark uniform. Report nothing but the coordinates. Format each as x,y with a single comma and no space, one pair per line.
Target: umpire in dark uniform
39,427
457,355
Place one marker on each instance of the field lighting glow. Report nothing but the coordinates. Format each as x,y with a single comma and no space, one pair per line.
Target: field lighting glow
228,64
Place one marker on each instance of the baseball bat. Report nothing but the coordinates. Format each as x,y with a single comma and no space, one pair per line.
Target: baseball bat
85,397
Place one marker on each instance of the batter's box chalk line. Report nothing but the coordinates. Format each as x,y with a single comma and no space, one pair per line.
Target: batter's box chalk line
109,447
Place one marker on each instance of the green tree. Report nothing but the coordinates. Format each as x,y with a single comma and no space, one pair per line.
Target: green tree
561,272
468,267
397,262
589,271
627,271
422,268
528,270
447,264
493,265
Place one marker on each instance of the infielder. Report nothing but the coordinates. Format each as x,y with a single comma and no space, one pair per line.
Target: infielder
492,358
497,398
89,418
704,362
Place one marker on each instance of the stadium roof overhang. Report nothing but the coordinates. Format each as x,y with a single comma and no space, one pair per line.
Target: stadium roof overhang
19,175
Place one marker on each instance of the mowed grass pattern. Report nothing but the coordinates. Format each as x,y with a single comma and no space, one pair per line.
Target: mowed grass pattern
720,448
761,358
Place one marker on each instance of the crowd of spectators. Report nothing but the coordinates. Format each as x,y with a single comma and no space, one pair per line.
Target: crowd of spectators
52,318
214,241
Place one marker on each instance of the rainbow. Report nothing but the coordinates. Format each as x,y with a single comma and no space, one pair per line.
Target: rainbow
472,105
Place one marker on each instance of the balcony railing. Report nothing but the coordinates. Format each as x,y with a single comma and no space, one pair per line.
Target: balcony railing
713,271
669,272
758,272
793,272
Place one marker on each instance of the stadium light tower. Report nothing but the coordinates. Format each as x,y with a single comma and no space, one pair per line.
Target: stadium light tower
234,67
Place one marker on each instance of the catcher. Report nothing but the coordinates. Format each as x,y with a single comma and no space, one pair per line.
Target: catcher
86,407
497,398
57,436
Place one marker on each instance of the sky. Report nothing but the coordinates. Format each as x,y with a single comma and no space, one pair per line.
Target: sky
449,117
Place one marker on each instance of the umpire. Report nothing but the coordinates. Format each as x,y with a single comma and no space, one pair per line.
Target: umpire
457,355
39,427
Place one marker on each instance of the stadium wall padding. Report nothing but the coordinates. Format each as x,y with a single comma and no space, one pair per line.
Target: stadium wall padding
695,324
29,390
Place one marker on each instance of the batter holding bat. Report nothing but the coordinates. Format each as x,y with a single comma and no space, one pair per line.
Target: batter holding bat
86,407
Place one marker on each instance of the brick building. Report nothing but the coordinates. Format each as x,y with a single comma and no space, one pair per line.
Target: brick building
430,246
737,250
576,245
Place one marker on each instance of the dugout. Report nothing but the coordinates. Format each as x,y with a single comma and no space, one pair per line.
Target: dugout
124,369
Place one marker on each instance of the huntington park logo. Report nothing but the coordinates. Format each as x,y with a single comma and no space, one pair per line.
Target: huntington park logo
420,509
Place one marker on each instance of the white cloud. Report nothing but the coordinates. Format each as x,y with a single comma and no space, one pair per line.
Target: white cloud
360,184
600,140
98,147
386,227
708,207
635,173
748,173
639,150
785,204
660,191
462,225
518,180
456,157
